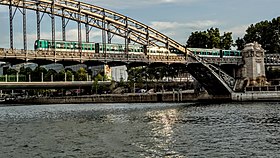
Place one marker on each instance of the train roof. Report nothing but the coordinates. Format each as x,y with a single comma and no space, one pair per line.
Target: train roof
209,50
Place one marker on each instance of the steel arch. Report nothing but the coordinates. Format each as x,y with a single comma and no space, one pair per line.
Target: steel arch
95,16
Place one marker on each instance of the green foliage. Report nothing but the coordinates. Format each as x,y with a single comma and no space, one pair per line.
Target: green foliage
267,33
36,75
49,74
81,75
11,71
210,39
98,77
226,40
25,71
69,74
239,43
198,40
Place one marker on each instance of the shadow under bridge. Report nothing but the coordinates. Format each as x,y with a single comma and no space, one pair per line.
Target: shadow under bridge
215,81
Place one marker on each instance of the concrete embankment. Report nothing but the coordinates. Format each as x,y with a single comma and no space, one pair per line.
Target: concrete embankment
257,96
121,98
150,98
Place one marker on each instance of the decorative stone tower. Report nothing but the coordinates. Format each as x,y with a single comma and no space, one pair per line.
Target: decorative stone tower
254,68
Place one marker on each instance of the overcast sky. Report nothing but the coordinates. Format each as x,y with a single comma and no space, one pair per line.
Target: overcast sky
175,18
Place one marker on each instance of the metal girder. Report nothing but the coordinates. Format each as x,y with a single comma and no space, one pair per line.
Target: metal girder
11,27
12,13
24,27
98,17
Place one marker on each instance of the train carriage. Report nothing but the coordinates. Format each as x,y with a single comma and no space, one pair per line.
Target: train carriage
74,46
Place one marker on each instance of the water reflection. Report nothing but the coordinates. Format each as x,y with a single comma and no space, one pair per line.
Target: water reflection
141,130
161,123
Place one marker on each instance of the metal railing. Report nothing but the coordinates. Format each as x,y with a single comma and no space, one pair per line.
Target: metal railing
263,88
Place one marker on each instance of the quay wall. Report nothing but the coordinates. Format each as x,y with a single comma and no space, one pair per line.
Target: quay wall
151,98
121,98
257,96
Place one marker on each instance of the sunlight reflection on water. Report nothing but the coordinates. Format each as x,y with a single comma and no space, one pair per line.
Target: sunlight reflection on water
141,130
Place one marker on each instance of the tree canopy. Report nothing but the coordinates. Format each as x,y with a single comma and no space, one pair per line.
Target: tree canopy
266,33
210,39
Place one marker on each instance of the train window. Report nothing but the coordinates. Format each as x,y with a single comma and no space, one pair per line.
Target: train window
225,53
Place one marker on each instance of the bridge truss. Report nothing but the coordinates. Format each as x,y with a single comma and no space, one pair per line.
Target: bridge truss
108,21
111,23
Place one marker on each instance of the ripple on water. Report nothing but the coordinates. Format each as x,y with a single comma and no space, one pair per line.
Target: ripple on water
141,130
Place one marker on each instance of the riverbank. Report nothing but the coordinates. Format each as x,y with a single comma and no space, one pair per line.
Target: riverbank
256,96
186,96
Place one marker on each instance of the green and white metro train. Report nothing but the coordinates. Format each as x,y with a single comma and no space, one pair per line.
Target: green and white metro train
73,46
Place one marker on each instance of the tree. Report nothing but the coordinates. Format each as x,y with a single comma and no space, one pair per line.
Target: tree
50,73
266,33
81,75
226,40
36,75
69,75
11,71
25,71
214,38
239,43
198,40
210,39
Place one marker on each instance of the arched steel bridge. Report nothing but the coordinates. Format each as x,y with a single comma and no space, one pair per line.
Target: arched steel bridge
110,22
94,16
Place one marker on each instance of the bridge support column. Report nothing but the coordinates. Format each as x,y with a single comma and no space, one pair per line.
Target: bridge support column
87,29
254,68
109,35
53,28
11,26
24,27
38,23
17,76
79,32
42,77
63,27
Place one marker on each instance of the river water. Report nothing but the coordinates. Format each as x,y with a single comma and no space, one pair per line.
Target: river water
141,130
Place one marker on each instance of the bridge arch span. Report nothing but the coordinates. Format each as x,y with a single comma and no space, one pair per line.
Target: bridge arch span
100,18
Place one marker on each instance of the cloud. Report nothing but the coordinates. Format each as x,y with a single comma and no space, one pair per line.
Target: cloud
195,25
238,31
3,8
135,4
179,31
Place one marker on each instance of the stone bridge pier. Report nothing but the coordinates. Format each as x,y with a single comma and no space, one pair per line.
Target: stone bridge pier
252,73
